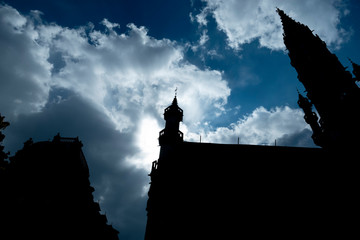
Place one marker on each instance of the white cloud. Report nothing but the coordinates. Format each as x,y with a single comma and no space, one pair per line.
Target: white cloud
24,69
110,25
247,20
132,72
126,76
201,17
262,126
203,38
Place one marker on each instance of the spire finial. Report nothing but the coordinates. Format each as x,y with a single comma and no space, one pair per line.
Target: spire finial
176,91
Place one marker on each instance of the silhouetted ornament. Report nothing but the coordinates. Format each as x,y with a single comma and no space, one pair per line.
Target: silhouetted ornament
356,70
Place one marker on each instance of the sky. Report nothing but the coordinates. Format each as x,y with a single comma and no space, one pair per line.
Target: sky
106,70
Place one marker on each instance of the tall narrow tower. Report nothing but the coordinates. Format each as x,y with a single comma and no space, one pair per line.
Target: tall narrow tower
330,88
162,174
173,115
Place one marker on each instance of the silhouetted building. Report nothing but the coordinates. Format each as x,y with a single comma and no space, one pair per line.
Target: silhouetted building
220,191
330,88
223,191
48,194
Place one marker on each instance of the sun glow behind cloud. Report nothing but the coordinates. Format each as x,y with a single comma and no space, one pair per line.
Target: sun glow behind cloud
147,143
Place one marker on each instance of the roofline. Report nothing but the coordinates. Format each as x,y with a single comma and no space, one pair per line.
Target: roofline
252,145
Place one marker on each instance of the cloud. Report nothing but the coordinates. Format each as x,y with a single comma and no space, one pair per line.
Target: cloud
124,73
116,72
126,76
25,71
248,20
297,139
262,126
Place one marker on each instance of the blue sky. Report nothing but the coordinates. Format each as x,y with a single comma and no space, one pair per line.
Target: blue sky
105,70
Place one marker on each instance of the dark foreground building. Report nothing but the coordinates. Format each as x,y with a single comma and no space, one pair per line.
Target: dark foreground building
222,191
46,194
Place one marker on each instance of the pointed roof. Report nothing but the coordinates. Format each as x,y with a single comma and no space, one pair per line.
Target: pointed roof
174,102
293,30
289,22
284,17
174,108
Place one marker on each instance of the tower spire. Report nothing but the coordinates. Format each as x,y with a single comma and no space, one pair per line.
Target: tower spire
330,88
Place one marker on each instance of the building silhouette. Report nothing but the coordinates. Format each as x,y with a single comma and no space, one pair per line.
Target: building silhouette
220,191
209,191
330,88
46,194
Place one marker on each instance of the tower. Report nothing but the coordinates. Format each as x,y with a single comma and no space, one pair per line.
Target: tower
330,88
162,173
173,115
